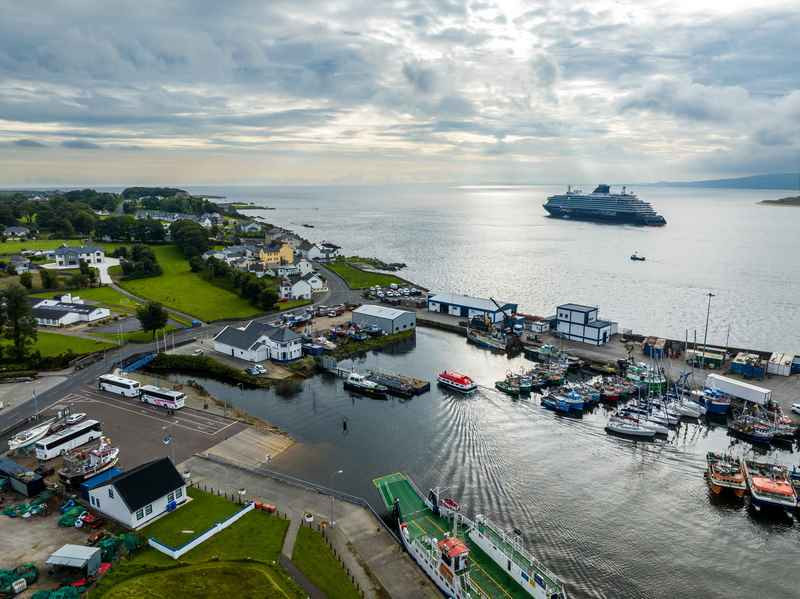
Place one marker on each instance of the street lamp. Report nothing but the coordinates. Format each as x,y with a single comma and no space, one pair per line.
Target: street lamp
330,486
705,335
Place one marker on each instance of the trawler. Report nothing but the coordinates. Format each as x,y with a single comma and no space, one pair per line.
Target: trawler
603,205
466,559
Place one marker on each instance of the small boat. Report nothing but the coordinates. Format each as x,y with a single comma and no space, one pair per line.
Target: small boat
360,384
628,428
456,381
508,387
74,418
486,340
752,429
794,478
83,465
28,437
716,402
555,403
645,422
770,487
725,473
637,258
574,400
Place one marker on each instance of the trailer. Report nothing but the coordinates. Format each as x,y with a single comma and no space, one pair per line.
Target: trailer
739,389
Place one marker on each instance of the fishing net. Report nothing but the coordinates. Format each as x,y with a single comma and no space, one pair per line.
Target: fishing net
65,593
108,548
43,594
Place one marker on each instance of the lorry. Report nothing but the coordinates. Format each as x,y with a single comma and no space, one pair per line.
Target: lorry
739,389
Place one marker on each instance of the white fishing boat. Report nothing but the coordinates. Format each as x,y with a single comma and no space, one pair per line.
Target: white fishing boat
29,437
82,465
628,428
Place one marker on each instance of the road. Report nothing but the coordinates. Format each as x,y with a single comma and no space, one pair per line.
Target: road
338,293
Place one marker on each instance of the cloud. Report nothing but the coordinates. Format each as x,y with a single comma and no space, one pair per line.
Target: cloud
79,144
689,100
421,77
29,143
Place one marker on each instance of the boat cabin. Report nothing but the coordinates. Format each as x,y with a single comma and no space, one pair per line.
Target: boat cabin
455,554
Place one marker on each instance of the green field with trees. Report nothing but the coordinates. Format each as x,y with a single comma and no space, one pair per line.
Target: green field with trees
361,279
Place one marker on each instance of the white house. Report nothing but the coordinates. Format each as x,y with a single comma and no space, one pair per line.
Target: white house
137,496
16,232
258,341
294,289
251,227
311,251
65,310
21,264
71,256
580,323
318,284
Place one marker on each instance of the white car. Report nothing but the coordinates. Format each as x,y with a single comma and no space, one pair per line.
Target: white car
796,408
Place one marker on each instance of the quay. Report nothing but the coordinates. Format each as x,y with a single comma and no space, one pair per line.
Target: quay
398,384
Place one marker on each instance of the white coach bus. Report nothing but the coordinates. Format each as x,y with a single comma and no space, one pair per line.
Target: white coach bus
68,438
116,384
163,398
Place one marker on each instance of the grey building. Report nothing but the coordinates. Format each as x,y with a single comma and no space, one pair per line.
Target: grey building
85,560
389,320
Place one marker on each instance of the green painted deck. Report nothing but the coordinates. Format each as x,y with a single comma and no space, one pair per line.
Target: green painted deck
484,573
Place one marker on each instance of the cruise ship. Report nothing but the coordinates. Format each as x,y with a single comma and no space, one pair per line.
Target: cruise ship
602,205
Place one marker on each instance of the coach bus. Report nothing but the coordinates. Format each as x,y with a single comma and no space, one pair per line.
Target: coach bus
117,384
163,398
67,439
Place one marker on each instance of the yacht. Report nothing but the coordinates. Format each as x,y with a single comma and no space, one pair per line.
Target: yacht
603,205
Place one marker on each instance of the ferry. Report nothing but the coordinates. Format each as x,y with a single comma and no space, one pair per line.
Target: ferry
604,206
456,381
466,559
725,473
770,487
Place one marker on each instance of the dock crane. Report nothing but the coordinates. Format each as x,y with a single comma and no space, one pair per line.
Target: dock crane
506,317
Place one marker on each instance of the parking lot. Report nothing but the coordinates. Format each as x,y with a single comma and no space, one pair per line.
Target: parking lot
140,430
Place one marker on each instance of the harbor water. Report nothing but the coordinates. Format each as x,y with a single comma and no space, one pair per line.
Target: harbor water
499,242
614,518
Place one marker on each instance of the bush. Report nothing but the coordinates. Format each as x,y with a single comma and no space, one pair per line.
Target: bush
204,366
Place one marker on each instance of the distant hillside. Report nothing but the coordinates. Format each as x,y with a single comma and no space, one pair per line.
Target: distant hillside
774,181
783,202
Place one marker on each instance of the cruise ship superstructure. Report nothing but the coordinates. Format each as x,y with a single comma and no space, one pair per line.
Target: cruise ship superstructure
603,205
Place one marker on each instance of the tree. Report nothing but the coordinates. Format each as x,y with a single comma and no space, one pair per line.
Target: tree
190,237
267,298
89,273
16,319
152,317
49,279
26,280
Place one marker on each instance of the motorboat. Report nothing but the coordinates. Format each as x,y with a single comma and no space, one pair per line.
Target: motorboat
361,384
456,381
628,428
555,403
28,437
796,408
637,258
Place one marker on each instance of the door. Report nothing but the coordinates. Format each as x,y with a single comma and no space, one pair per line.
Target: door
605,337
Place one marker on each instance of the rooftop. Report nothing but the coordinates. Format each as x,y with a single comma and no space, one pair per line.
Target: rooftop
577,307
380,311
147,482
478,303
89,249
75,556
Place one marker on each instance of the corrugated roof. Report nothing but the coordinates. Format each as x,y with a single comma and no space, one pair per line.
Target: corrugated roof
476,303
74,556
380,311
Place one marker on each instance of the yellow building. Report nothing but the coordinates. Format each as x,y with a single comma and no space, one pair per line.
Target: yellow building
276,253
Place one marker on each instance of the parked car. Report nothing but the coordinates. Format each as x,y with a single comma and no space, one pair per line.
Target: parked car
796,408
256,370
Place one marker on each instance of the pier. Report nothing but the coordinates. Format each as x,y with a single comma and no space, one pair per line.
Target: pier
397,384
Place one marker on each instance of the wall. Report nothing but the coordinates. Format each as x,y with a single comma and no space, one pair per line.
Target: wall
175,553
113,507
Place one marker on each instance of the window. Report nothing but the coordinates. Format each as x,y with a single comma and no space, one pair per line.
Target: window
111,492
97,502
148,509
178,492
139,514
170,497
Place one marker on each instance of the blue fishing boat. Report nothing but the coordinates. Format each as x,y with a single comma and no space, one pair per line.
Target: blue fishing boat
556,404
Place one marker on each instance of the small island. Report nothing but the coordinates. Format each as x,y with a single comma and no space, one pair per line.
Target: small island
795,201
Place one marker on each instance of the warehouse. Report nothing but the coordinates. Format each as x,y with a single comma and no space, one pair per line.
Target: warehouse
389,320
468,307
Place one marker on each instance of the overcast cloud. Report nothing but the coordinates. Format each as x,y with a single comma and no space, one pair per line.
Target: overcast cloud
247,91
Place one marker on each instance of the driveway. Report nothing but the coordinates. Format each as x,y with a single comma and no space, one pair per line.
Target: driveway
103,267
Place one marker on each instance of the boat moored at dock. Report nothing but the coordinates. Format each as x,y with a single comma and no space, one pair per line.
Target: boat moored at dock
725,473
467,559
360,384
770,487
629,428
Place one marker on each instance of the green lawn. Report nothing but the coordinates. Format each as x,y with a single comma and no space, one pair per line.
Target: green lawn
15,247
289,304
315,559
53,344
135,336
197,516
359,279
188,292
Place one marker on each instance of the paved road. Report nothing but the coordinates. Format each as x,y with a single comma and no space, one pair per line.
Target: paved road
338,293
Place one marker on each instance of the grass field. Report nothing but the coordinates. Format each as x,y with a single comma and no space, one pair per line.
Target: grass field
188,292
315,559
53,344
15,247
198,515
135,336
359,279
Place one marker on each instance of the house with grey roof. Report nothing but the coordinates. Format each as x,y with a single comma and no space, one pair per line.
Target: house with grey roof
57,312
258,341
21,264
16,232
72,256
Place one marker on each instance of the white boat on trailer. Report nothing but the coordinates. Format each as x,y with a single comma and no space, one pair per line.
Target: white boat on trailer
28,437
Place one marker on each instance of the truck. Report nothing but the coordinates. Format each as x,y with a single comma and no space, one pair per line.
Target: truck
739,389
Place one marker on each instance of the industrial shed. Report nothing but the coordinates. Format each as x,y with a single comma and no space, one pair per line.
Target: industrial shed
80,557
465,306
389,320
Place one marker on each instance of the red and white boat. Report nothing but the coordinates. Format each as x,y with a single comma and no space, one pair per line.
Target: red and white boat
456,381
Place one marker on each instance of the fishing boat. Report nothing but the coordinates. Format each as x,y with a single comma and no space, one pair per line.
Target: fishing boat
508,386
83,465
725,473
637,258
752,429
360,384
628,428
794,478
487,340
466,559
770,487
555,403
394,384
29,437
647,378
716,402
456,381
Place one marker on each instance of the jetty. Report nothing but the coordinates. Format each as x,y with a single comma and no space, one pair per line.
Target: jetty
397,384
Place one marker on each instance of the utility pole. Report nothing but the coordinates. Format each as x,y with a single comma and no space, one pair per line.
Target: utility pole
705,336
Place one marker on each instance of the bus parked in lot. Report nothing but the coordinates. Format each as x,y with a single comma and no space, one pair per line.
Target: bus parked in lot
67,439
116,384
163,398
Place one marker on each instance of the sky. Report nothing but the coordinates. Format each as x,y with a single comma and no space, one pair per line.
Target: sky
371,91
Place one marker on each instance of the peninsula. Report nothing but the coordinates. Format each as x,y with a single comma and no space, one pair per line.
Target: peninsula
791,201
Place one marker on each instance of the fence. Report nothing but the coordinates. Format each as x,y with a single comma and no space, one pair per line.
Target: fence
175,553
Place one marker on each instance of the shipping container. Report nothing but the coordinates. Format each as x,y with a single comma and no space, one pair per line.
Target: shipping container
739,389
